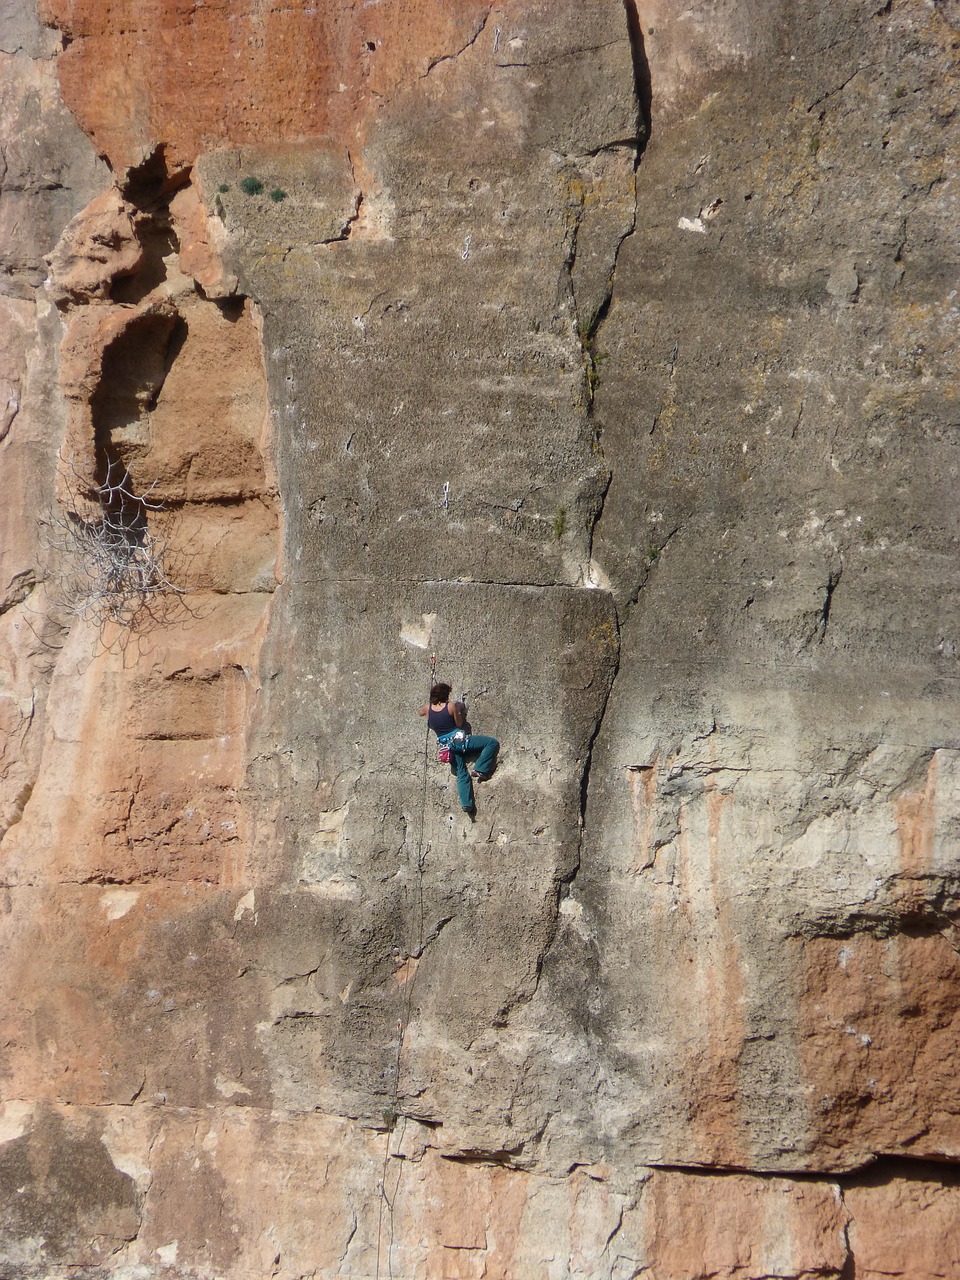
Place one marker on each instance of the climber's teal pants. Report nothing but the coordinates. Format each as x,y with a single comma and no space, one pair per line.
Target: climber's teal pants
477,752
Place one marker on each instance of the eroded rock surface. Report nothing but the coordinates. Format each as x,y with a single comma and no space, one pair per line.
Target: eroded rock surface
601,359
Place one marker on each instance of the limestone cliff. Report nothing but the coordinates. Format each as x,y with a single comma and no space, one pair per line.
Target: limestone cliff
601,358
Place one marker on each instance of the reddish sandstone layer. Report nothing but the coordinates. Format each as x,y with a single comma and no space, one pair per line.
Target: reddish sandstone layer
880,1025
193,78
299,1194
145,766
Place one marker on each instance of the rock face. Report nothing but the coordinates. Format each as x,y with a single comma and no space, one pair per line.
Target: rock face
601,359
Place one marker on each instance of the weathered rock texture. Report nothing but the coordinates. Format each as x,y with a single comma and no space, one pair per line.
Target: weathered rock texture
601,357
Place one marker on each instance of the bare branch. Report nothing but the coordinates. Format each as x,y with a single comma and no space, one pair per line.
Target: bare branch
107,562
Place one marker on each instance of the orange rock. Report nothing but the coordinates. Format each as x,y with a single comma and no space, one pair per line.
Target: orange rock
739,1227
905,1223
171,387
97,247
879,1026
197,77
159,796
199,256
916,824
208,416
113,992
99,342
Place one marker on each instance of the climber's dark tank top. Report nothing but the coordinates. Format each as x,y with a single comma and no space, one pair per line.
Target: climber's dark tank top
441,722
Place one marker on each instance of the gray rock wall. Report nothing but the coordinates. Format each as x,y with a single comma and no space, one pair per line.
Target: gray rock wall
776,771
599,359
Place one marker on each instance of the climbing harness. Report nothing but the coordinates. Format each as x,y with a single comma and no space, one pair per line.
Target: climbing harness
446,743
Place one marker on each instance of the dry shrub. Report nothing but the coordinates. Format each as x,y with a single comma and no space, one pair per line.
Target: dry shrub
110,551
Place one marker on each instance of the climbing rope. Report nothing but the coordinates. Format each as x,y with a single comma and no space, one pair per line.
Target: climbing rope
396,1122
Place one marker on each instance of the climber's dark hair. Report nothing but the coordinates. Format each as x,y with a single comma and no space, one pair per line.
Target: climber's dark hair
440,693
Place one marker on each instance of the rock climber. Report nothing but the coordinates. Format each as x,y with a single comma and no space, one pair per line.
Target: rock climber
473,757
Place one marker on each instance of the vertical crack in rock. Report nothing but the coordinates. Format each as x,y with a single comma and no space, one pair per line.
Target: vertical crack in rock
354,218
449,57
591,317
598,229
601,215
833,581
611,678
848,1270
823,618
654,550
591,293
641,74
